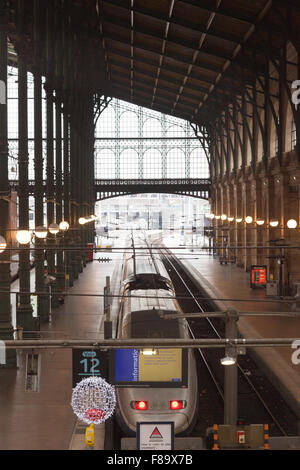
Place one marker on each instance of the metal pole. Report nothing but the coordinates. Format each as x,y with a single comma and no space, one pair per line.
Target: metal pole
231,374
43,300
6,328
60,258
107,306
50,153
24,308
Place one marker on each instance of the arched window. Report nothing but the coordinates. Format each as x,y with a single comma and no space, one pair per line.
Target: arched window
129,164
105,166
106,123
198,164
176,164
129,124
176,131
152,128
152,164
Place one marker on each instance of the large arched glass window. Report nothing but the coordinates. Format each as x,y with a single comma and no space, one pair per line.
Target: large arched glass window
176,164
176,131
105,164
152,128
106,123
129,124
129,164
198,164
152,164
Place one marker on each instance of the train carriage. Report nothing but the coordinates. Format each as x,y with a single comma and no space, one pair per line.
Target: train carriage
154,384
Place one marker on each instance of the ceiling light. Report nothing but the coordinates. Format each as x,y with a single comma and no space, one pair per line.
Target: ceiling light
292,223
260,221
223,217
23,237
40,232
228,361
274,222
3,244
64,226
249,219
54,229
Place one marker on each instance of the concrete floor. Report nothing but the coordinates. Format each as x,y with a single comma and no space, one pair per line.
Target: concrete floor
45,420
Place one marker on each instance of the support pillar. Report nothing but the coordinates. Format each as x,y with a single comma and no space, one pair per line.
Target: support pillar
6,327
43,300
24,308
60,276
231,373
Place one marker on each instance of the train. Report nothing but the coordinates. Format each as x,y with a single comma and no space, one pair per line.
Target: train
153,384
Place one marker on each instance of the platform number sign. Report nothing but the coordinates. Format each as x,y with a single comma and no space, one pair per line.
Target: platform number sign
88,363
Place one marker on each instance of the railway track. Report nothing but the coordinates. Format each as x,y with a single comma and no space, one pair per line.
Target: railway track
259,401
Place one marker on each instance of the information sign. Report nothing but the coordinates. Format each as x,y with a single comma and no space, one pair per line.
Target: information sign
155,435
88,363
167,367
258,276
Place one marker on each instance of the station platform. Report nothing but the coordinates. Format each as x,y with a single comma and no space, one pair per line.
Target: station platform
230,282
44,420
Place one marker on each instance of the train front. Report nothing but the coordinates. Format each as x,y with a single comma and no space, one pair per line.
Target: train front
154,384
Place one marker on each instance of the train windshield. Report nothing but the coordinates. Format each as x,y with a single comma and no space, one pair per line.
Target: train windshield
148,324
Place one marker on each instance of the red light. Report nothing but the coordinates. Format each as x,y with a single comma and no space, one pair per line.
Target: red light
141,405
176,405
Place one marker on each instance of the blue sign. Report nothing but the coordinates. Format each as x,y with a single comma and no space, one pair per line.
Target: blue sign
126,365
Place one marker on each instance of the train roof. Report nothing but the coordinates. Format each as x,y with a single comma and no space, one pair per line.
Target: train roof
144,264
152,298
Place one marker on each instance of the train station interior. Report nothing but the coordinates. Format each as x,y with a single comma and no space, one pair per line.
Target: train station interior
149,226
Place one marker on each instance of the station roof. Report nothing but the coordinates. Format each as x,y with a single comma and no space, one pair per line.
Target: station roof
175,56
183,57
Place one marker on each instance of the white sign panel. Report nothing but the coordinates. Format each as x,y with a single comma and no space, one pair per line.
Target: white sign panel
155,436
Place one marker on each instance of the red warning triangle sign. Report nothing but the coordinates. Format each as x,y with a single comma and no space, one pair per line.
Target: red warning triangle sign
156,433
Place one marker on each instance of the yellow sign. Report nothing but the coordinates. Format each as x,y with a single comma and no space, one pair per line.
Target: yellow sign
90,436
166,366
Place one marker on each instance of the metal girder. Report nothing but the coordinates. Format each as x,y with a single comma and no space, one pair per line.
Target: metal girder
169,68
178,22
202,50
174,82
146,104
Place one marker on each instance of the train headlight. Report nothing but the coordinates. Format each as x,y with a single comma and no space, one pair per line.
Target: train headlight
177,404
139,405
